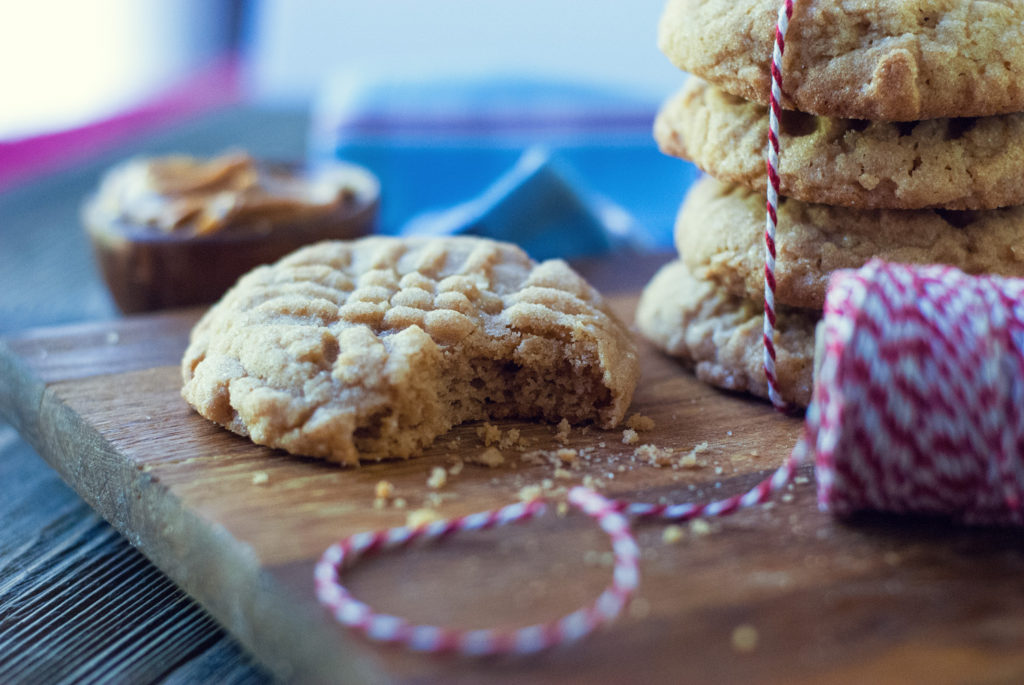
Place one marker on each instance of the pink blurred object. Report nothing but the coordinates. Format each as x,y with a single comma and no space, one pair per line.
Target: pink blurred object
211,88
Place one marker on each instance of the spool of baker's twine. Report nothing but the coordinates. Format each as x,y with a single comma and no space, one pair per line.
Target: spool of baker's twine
919,397
918,407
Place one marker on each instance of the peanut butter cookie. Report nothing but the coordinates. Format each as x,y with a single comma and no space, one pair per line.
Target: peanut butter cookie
904,60
720,236
370,349
973,163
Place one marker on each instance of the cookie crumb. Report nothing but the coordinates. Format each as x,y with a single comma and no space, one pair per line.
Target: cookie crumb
672,534
456,468
438,478
112,337
562,430
629,437
528,493
654,455
421,517
562,509
562,473
399,503
489,434
510,439
689,460
639,422
490,457
260,478
383,490
744,638
566,455
700,527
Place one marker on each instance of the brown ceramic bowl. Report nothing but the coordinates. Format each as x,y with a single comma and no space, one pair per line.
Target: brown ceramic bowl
148,269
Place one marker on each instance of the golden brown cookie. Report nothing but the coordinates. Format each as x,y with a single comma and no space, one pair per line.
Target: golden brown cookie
720,236
720,335
902,60
946,163
370,349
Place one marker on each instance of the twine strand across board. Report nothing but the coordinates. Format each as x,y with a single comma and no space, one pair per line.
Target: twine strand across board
426,638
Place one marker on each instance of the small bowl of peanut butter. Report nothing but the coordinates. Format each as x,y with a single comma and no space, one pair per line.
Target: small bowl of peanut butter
178,230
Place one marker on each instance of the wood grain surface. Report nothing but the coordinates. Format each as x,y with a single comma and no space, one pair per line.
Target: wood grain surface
871,600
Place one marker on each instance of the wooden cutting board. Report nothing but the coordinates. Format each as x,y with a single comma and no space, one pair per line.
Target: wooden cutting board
240,527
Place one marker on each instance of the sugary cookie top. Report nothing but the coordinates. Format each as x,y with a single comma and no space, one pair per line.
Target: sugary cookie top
900,60
447,287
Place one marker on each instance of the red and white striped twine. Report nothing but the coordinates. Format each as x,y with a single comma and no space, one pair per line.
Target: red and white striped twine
426,638
772,164
919,397
917,408
766,489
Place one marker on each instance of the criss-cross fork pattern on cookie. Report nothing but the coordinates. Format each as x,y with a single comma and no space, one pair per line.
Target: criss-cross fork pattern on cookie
371,349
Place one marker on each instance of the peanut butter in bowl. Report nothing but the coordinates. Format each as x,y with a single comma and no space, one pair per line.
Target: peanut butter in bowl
179,230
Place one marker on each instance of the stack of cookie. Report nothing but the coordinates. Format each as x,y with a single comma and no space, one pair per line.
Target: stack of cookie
903,139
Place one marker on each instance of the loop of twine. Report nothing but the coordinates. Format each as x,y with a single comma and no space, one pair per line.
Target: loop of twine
483,642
